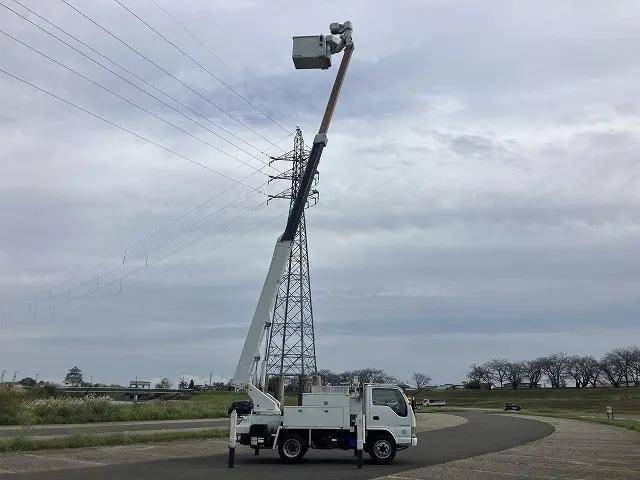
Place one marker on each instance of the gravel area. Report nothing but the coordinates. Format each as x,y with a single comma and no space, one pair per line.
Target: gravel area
575,451
435,421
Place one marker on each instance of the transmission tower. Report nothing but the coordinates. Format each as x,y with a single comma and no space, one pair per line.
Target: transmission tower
291,351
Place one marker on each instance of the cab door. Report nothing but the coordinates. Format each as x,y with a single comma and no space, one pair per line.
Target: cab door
388,410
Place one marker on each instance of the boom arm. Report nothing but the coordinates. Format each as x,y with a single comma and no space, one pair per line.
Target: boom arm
250,356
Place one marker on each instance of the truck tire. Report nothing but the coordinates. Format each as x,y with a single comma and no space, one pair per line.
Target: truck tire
292,448
382,449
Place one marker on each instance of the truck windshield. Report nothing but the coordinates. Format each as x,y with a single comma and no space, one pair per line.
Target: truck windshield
392,398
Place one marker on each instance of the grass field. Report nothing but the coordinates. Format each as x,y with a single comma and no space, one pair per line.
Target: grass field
586,404
584,400
24,408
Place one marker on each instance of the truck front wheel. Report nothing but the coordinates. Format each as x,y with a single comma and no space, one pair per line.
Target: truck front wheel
292,448
382,449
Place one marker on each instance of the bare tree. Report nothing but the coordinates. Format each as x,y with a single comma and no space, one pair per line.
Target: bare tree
481,374
635,366
515,372
183,384
620,366
164,384
626,358
533,372
574,371
588,369
614,367
421,380
475,373
222,386
329,378
555,368
498,368
374,375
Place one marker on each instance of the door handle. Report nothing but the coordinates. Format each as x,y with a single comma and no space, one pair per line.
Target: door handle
376,417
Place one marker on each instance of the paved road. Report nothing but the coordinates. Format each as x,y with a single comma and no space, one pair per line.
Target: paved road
110,427
481,434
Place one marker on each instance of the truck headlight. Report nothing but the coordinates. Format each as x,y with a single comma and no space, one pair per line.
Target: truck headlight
413,431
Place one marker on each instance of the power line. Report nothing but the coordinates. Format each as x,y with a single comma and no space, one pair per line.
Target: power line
197,207
130,102
16,77
152,248
211,74
113,62
166,72
178,250
218,58
101,285
191,227
120,279
208,249
127,248
124,129
123,253
86,111
82,53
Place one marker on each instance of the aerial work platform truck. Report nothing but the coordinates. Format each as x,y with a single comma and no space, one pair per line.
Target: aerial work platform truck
361,417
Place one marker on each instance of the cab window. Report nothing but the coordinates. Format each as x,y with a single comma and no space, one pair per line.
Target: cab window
392,398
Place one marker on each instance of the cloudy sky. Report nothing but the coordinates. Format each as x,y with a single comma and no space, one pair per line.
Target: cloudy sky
479,193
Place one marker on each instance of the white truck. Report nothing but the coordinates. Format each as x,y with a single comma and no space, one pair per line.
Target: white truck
373,418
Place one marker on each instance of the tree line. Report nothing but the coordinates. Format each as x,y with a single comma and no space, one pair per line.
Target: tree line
616,368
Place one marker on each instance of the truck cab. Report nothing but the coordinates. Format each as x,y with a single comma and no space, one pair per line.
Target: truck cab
389,412
375,418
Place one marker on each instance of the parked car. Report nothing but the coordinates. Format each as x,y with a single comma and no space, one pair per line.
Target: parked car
434,403
512,407
242,407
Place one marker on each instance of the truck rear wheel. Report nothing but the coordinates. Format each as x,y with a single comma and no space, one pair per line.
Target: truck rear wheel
292,448
382,449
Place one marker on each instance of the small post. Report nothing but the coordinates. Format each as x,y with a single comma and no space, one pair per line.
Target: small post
232,439
610,412
281,389
359,438
301,385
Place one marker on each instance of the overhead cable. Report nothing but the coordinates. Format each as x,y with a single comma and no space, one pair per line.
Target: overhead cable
211,74
167,72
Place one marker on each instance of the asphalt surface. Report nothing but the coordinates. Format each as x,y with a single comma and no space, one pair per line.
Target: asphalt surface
111,427
483,433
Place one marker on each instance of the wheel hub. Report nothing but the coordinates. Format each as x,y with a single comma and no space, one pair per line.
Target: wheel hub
291,448
382,448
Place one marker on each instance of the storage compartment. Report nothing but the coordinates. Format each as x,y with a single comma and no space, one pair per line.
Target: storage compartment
315,417
325,400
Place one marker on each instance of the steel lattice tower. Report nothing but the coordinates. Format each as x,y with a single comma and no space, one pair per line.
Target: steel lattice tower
291,351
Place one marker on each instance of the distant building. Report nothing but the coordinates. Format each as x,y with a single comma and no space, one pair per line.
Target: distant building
449,386
73,377
139,384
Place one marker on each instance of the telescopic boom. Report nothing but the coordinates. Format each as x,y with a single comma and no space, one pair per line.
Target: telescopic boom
309,52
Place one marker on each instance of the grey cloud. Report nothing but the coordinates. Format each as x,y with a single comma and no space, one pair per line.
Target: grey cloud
478,194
